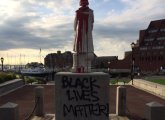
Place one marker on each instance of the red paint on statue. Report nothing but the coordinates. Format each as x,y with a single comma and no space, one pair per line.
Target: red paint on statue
83,43
83,27
80,69
82,22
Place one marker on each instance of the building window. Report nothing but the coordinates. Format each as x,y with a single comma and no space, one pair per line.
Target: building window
149,39
161,38
142,58
152,31
162,30
143,48
160,58
153,58
146,44
161,53
158,47
146,58
154,53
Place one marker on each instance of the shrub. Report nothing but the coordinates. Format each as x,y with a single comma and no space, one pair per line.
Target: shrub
30,80
6,76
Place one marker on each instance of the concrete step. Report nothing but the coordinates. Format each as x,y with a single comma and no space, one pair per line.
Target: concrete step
52,117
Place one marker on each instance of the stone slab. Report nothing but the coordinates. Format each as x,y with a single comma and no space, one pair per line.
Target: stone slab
39,97
52,117
121,101
9,111
82,96
10,86
155,111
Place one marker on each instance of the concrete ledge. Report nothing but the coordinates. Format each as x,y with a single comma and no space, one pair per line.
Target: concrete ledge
154,111
9,86
154,88
9,111
46,117
52,117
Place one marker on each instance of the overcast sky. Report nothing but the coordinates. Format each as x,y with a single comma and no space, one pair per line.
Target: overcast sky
28,25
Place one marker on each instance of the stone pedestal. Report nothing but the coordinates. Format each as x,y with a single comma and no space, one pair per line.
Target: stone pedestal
155,111
121,101
39,98
9,111
82,62
82,96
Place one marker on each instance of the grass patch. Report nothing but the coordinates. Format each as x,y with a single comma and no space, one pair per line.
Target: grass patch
159,81
114,81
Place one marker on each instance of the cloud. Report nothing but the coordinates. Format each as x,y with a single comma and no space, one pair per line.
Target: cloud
48,24
30,29
136,12
124,26
112,47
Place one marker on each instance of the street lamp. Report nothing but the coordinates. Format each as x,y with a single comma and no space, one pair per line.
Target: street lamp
133,61
2,59
109,67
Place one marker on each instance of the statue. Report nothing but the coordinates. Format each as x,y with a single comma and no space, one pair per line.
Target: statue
83,44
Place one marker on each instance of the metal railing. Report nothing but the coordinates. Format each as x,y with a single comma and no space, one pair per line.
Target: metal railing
35,106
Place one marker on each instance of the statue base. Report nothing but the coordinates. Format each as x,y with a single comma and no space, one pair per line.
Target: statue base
82,62
82,96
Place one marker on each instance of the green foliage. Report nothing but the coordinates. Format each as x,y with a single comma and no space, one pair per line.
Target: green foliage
156,79
41,81
30,80
114,81
6,76
159,81
35,80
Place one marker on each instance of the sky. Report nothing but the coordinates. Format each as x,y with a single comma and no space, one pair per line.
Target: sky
28,25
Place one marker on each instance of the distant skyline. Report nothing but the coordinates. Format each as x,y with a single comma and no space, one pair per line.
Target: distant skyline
28,25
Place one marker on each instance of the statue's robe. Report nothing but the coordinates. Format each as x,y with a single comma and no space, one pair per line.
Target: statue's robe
83,27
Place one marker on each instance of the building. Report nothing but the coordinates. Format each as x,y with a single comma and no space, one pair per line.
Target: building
64,61
121,66
101,62
59,61
148,52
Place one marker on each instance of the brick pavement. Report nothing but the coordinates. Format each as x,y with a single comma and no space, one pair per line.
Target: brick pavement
136,100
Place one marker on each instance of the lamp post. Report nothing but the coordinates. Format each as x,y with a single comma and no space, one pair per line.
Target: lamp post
109,67
133,61
2,59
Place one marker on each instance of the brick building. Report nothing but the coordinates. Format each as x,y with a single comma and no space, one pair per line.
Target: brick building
148,53
102,61
64,61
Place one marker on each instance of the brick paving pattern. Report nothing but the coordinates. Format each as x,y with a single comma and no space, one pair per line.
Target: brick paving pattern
24,97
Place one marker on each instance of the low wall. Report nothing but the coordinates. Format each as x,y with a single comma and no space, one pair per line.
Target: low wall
150,86
9,86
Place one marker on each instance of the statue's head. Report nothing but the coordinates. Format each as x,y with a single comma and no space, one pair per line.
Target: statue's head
84,2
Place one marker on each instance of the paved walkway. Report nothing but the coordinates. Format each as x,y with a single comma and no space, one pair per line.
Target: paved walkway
24,97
